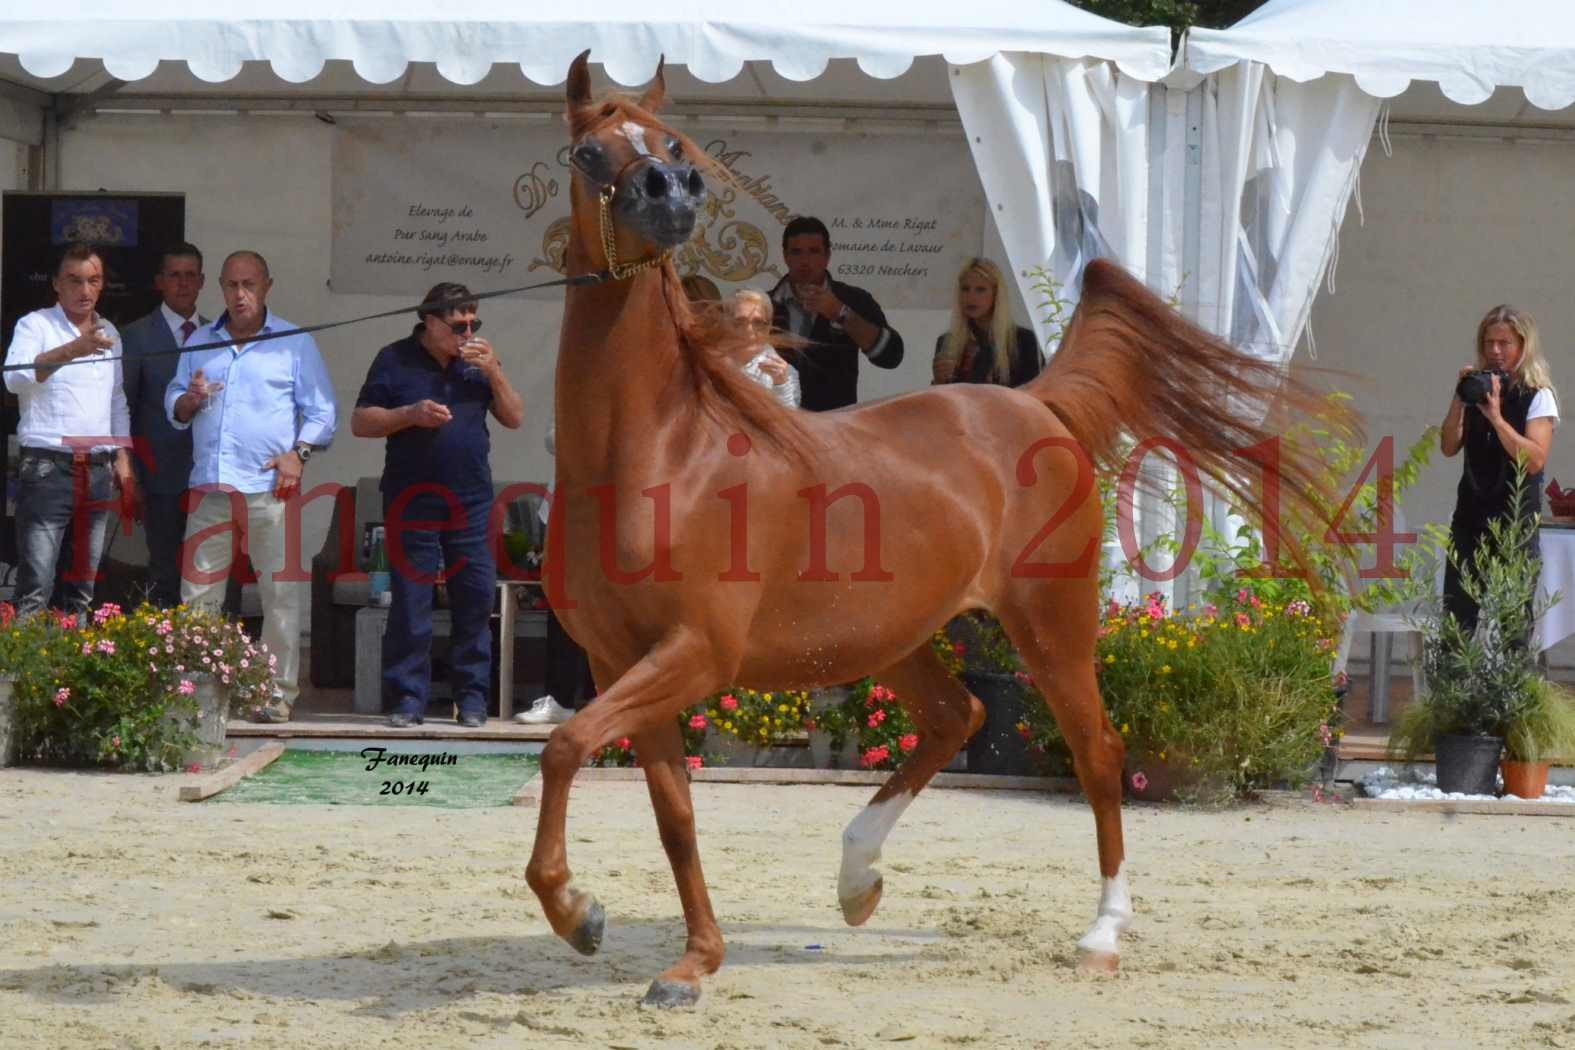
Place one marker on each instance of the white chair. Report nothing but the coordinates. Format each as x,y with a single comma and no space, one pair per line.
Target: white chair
1382,625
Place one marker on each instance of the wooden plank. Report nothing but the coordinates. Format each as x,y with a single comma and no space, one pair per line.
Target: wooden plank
838,777
529,793
346,728
1485,807
231,774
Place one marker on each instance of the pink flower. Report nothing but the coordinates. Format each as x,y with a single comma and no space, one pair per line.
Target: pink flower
170,649
1253,601
697,722
624,743
115,743
877,716
1243,620
1325,734
106,646
106,612
908,742
87,648
959,648
245,664
1210,610
186,688
1241,595
153,668
1139,781
194,767
61,696
1112,610
694,761
874,757
728,703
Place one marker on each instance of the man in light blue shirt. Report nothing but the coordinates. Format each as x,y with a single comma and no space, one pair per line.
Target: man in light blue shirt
257,411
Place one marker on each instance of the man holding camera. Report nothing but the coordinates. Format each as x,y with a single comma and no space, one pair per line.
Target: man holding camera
430,394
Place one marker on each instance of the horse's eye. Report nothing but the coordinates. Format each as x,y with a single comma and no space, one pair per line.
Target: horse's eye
675,149
587,154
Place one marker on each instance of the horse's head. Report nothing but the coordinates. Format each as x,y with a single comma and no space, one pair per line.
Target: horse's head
637,166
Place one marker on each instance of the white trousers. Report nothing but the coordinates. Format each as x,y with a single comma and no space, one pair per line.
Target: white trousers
261,532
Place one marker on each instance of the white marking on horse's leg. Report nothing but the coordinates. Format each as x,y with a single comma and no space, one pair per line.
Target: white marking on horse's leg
635,133
861,843
1115,914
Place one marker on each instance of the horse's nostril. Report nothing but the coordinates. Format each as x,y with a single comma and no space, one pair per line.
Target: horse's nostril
655,183
696,183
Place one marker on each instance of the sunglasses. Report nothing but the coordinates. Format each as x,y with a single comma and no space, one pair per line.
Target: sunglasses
462,327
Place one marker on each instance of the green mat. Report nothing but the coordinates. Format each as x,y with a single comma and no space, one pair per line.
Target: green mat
341,778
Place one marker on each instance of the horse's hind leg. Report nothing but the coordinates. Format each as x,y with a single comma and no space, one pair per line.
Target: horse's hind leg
661,752
1054,626
946,715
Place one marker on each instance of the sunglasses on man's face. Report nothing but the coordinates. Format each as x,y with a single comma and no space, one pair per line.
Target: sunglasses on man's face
462,327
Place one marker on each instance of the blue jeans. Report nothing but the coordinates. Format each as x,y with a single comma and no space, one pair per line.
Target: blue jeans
407,644
58,550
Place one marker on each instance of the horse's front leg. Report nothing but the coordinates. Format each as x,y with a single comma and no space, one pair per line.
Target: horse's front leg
649,694
661,754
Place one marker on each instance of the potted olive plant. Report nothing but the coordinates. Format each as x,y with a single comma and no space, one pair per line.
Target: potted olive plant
1482,686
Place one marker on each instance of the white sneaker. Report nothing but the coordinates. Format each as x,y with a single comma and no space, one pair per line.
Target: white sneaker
545,711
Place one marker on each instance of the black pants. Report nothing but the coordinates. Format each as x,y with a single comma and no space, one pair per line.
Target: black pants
1466,540
165,527
568,673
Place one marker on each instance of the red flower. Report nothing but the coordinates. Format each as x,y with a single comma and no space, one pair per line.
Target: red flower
728,703
908,742
1139,781
877,717
874,757
624,743
697,722
694,761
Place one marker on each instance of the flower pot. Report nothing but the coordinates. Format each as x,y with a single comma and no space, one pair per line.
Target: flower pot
7,720
822,755
1467,765
1524,779
203,714
1148,778
724,749
998,747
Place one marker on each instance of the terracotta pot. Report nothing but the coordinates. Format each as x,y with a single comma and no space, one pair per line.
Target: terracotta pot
1148,779
1524,779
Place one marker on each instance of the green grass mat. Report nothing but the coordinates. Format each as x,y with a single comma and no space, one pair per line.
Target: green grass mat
341,778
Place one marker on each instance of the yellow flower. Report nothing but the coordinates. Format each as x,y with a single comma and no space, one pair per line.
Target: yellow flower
1125,728
1110,659
1172,643
1165,669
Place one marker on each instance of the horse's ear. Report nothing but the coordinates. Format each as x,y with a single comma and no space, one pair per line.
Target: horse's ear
578,88
656,94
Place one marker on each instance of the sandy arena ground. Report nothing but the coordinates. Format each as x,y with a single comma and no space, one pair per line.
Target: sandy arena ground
128,919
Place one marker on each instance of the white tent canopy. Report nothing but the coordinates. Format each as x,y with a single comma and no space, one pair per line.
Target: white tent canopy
465,39
1468,47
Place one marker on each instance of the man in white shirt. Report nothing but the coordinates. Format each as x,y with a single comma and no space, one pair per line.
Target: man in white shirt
73,435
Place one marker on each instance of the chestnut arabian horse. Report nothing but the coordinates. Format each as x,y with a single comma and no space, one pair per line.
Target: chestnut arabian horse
702,537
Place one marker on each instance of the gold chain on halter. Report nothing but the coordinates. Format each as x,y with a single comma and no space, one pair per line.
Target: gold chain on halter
621,271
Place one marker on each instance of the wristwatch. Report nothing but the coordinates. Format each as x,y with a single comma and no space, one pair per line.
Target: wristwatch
303,452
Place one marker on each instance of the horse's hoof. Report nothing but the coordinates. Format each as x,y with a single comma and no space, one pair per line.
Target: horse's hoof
1098,962
857,910
587,936
671,995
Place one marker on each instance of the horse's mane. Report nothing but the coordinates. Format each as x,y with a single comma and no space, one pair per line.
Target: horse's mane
706,339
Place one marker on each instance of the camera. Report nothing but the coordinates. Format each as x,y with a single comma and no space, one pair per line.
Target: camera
1474,387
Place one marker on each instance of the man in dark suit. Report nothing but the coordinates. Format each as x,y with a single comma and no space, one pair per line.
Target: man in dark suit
840,322
164,468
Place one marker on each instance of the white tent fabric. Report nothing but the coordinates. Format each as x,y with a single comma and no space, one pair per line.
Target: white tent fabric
1469,47
465,38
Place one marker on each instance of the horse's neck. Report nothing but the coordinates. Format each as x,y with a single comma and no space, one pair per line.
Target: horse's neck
618,353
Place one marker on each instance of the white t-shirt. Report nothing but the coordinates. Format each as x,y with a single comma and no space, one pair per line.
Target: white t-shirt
1543,406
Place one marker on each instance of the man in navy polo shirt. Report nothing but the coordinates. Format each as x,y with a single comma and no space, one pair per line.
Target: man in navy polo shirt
429,395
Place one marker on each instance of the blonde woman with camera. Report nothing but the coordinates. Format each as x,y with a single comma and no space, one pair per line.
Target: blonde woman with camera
1504,409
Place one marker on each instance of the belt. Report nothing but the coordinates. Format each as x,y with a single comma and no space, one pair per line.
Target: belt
73,456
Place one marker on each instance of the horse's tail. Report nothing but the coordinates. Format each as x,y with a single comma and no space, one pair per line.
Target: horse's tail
1130,363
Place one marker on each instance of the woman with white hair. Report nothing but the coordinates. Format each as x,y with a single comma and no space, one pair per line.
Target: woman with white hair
751,312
